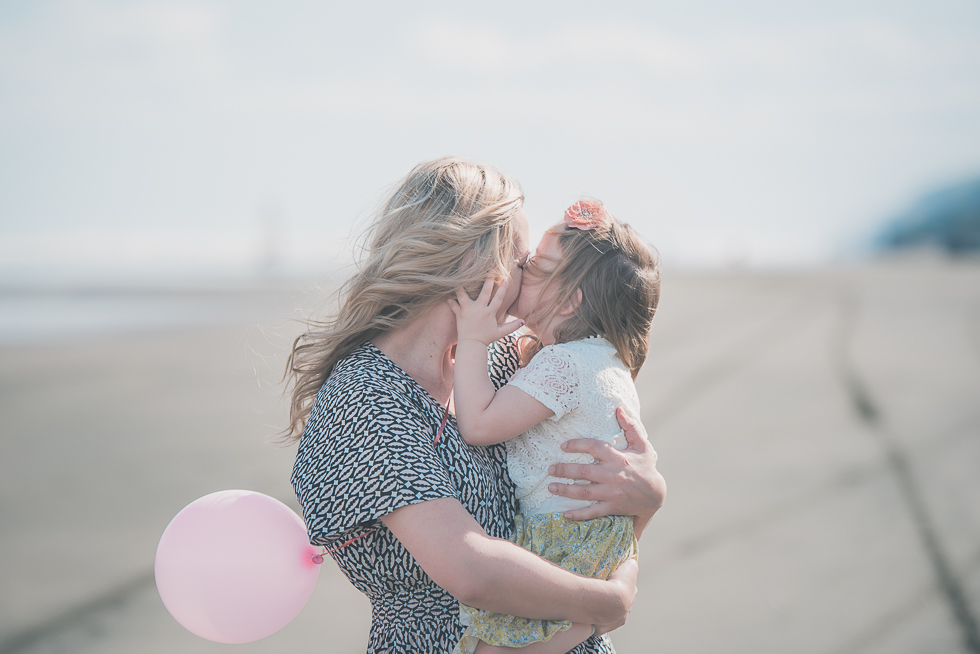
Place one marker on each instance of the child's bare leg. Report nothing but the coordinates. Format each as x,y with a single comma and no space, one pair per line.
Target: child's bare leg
557,644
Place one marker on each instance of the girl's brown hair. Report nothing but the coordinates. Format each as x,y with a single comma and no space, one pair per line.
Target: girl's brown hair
619,276
449,223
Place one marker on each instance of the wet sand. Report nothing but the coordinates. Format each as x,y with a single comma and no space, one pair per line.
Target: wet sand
820,434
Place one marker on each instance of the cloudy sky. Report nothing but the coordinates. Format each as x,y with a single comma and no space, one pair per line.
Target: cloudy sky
210,136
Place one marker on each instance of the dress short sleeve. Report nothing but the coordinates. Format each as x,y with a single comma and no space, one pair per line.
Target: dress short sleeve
503,360
551,378
366,451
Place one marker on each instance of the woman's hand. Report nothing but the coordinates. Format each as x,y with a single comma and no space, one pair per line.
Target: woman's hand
476,320
625,577
623,482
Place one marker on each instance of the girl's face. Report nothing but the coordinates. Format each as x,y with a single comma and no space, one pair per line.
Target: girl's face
534,294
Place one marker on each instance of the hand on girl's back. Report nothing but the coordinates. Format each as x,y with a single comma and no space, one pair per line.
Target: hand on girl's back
476,320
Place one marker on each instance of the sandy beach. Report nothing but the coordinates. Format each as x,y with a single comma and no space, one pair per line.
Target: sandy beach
819,432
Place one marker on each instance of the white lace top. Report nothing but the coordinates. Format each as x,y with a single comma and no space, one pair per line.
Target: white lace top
582,382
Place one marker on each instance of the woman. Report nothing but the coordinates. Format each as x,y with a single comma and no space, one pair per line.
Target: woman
413,516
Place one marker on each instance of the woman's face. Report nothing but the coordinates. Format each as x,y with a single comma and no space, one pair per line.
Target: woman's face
509,304
546,258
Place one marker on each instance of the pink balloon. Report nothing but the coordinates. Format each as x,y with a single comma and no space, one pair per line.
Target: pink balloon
235,566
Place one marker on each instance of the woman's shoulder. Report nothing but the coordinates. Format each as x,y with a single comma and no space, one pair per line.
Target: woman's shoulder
366,370
364,387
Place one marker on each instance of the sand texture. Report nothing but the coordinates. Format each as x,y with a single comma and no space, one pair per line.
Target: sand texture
819,432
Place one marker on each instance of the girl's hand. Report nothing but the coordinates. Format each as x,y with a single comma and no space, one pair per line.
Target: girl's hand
623,483
476,320
625,576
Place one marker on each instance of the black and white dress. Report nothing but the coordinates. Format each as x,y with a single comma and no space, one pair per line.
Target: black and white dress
367,450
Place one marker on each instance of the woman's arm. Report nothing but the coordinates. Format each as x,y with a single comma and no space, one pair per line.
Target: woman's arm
496,575
623,482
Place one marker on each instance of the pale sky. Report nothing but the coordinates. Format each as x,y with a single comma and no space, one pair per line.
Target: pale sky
142,136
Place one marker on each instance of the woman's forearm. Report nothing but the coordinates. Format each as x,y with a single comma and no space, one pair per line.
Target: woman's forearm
497,575
505,578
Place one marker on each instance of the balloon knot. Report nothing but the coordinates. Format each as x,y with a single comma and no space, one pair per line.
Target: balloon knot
317,558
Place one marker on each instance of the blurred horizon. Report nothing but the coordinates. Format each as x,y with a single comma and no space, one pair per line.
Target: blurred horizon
165,142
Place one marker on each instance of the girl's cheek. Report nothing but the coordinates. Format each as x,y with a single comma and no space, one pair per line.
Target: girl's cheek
527,301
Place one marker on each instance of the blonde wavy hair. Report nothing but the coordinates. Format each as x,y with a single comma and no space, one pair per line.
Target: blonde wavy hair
449,223
619,276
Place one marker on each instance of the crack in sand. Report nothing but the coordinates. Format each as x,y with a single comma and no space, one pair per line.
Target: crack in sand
900,467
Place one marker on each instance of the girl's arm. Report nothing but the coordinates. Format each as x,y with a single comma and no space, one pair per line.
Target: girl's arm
486,416
623,482
496,575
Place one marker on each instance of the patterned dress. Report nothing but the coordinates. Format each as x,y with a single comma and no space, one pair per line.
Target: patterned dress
368,450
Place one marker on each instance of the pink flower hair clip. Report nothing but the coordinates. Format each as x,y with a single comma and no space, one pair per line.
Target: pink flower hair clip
587,215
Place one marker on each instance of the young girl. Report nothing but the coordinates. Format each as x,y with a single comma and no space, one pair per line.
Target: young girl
589,295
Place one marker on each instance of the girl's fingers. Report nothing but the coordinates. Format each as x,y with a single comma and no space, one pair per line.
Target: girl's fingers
511,326
460,294
454,305
587,513
627,571
486,290
498,297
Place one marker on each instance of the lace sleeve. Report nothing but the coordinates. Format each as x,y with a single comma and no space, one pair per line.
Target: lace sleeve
551,378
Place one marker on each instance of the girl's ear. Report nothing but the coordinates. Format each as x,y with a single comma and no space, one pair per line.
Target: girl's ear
573,303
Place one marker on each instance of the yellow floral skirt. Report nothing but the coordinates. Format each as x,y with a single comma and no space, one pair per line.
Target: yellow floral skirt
592,548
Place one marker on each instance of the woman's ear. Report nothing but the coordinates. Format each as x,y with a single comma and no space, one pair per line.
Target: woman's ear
573,303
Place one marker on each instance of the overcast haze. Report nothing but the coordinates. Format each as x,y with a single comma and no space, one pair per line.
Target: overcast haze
139,138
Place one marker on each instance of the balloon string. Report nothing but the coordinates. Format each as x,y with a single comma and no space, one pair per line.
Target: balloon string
442,425
318,558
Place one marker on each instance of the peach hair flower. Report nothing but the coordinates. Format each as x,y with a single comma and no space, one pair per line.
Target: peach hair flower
587,215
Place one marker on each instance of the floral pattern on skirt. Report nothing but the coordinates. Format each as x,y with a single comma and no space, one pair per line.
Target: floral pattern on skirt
592,548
